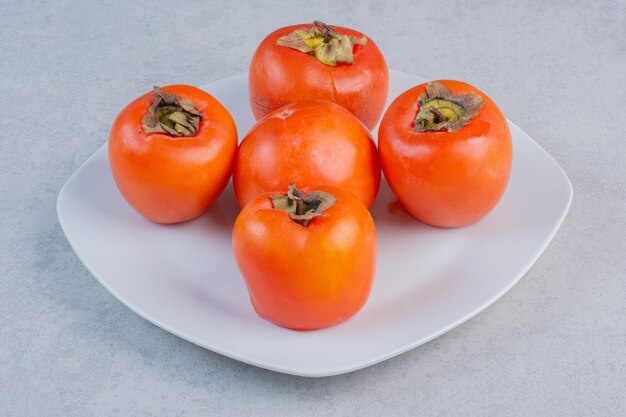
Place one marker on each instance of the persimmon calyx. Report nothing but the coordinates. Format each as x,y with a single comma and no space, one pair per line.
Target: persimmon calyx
171,114
323,43
303,207
441,110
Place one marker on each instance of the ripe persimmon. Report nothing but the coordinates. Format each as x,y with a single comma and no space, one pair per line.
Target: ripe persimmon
308,258
446,152
171,152
316,61
307,142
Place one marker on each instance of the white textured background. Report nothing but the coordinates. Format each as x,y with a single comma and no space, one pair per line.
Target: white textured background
554,345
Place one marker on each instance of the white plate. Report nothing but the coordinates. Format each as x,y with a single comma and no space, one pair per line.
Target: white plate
183,278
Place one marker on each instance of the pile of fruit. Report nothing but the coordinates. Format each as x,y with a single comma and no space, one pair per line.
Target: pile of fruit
307,171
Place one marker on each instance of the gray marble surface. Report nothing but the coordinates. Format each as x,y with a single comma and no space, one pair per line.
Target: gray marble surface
554,345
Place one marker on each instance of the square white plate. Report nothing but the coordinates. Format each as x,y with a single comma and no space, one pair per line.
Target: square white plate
184,279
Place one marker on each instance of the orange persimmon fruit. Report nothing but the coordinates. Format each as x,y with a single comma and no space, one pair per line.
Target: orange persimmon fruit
316,61
446,152
171,152
308,258
307,142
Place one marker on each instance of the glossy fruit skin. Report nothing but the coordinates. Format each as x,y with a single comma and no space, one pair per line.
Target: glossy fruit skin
307,142
446,179
306,278
173,179
279,75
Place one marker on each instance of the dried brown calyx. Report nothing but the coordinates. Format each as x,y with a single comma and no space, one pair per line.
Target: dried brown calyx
441,110
171,114
303,207
323,43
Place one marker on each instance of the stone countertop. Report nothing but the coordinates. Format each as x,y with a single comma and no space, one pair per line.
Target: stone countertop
554,345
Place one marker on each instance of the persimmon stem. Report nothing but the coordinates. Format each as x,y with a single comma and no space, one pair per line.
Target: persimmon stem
303,207
441,110
323,43
438,116
300,209
328,32
171,114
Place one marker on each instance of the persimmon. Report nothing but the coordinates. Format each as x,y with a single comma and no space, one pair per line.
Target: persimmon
445,149
308,258
316,61
308,142
171,152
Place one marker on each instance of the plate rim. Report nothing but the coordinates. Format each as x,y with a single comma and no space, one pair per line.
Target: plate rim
331,371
